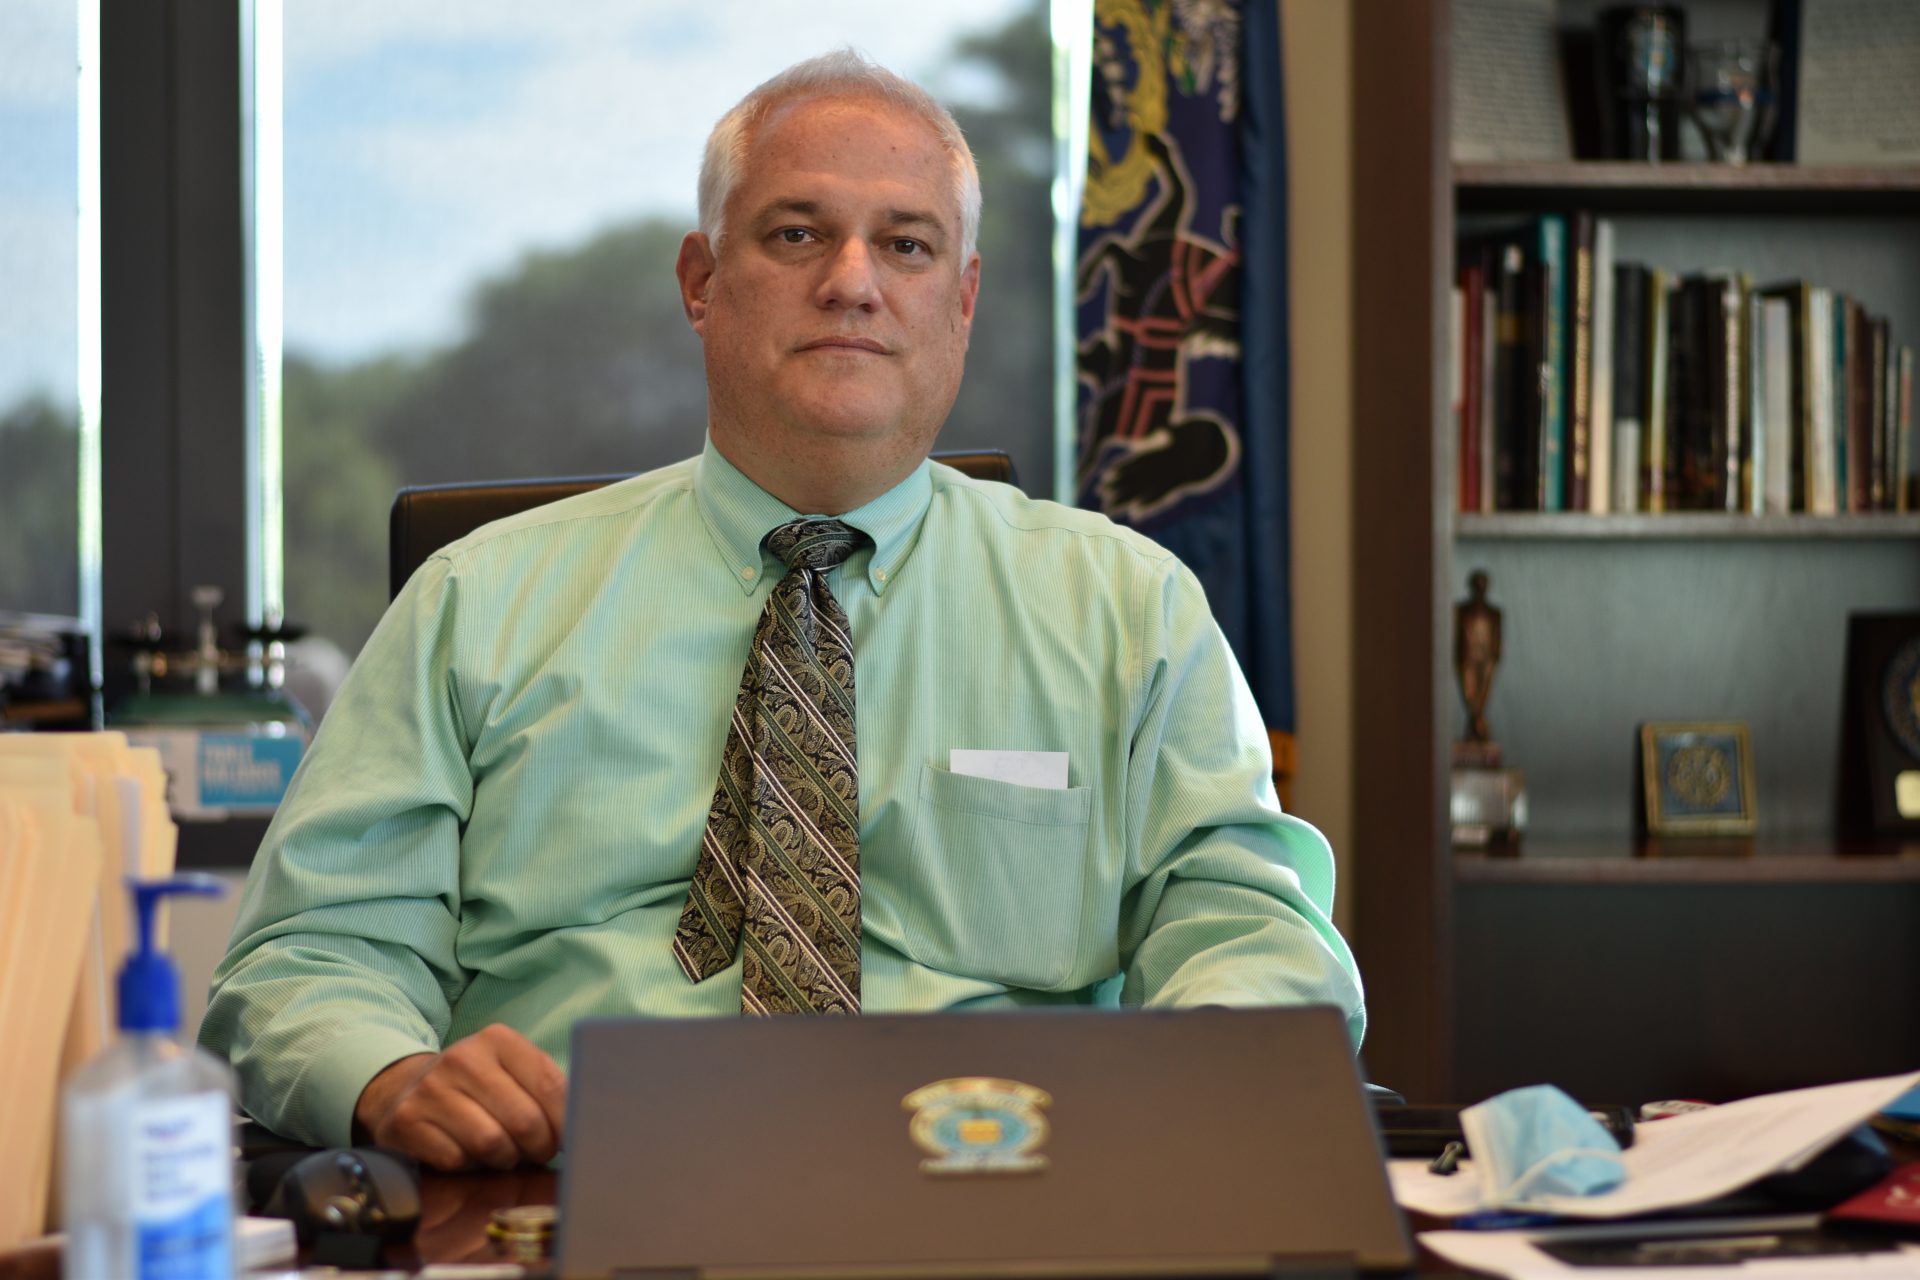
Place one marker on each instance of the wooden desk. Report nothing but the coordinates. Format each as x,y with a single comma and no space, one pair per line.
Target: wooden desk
454,1211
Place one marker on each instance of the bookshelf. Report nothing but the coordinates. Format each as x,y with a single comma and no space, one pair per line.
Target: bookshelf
1622,969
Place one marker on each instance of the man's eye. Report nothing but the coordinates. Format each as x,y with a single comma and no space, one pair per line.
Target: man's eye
793,235
908,248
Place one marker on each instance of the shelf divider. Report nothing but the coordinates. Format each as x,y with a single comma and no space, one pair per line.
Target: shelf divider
1807,858
1682,526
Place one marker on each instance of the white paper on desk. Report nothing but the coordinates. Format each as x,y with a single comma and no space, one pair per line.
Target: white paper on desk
1512,1254
1688,1158
1046,769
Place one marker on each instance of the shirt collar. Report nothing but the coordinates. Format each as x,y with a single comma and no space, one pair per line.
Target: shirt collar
739,514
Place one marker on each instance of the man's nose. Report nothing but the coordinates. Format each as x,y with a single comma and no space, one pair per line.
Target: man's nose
851,279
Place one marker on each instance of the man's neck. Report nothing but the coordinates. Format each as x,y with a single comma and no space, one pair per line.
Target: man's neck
829,482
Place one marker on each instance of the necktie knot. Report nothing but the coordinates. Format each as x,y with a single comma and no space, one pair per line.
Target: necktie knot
813,544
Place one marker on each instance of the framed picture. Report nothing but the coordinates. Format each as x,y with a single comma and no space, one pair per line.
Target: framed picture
1880,726
1698,778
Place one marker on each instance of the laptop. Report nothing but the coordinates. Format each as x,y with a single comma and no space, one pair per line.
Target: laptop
1059,1143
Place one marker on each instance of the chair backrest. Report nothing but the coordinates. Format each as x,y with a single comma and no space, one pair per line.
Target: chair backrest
426,517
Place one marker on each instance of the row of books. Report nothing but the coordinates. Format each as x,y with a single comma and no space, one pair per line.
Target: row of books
1585,384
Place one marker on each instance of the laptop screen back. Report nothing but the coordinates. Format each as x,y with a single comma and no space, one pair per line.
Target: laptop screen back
1206,1139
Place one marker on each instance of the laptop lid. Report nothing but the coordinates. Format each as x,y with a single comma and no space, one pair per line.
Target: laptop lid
1033,1143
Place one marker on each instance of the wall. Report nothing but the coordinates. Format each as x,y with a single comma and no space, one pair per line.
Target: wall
1316,35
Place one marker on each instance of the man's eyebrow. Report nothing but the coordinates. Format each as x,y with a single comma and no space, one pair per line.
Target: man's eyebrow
915,218
805,208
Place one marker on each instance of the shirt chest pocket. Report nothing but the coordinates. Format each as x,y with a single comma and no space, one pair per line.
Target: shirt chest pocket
998,879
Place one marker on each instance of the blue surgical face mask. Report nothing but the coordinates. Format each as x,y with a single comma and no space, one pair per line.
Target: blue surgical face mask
1534,1142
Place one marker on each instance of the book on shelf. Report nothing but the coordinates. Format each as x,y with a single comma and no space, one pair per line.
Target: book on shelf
1457,389
1842,400
1601,378
1778,416
1550,231
1726,336
1857,368
1653,449
1515,384
1470,302
1630,283
1489,371
1694,387
1583,383
1753,393
1578,393
1886,402
1823,457
1753,403
1797,298
1907,499
1880,437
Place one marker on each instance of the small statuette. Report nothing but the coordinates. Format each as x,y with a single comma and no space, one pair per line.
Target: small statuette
1488,804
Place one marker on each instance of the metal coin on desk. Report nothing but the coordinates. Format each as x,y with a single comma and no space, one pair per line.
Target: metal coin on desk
524,1232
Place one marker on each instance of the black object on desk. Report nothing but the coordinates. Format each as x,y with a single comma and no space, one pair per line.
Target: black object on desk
346,1204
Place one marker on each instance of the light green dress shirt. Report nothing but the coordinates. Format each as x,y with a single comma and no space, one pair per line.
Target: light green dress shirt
499,817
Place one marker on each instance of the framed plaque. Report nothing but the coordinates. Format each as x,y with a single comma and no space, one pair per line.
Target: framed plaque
1880,746
1698,778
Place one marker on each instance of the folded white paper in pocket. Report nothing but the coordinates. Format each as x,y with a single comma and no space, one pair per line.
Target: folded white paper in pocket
1044,769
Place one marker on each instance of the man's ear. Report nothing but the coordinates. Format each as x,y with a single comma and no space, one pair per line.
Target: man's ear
969,292
694,268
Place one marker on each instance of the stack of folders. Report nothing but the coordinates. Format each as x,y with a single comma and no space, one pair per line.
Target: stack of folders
79,813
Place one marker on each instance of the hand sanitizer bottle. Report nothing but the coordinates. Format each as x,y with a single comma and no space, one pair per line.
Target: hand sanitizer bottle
146,1134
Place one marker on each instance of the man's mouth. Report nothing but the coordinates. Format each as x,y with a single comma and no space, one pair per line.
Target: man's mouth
846,343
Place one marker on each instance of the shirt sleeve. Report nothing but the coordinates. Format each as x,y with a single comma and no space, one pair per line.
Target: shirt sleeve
343,956
1232,899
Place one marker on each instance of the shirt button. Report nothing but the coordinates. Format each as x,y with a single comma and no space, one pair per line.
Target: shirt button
880,575
748,572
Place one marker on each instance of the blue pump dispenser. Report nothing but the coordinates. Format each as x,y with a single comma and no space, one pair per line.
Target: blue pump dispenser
149,983
147,1129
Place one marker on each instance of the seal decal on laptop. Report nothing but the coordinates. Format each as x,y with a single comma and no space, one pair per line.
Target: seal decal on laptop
979,1124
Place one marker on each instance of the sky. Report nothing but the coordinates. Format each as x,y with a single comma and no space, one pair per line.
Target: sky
39,185
429,143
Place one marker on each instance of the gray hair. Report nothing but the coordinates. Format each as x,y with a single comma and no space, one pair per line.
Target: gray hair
843,73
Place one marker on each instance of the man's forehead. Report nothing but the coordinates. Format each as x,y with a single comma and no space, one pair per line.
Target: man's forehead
858,124
843,102
799,160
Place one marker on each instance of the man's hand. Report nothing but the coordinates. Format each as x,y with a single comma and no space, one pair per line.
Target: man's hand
493,1100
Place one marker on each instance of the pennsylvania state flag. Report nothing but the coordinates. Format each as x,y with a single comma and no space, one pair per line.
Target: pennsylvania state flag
1182,300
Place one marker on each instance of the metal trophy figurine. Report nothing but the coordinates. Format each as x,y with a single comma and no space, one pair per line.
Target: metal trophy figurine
1488,803
1476,654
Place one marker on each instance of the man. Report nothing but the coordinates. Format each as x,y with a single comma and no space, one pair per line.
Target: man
511,818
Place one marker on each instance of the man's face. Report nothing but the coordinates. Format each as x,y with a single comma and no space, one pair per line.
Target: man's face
836,317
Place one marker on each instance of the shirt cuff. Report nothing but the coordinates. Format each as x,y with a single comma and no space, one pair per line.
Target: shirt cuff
338,1075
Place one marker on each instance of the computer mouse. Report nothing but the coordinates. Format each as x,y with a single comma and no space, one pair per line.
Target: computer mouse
357,1191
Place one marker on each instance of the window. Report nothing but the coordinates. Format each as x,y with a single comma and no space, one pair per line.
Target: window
46,334
483,202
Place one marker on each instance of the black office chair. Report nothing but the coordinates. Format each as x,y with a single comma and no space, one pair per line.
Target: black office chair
426,517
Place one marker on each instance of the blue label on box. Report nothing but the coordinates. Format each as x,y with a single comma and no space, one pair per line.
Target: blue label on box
240,770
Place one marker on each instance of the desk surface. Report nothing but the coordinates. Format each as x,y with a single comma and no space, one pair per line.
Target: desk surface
454,1212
